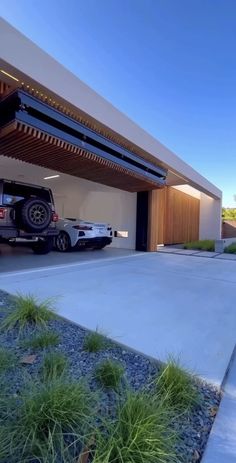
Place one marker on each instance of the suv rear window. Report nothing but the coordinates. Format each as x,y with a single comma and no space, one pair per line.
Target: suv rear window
13,193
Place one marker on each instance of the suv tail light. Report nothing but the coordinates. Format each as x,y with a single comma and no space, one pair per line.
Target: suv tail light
82,227
54,217
2,212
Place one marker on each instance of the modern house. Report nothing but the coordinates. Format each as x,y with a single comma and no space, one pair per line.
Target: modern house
100,164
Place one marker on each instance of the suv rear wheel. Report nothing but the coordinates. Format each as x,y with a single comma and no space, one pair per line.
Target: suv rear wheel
43,246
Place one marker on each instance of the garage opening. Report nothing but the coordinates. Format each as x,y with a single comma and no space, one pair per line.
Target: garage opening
98,179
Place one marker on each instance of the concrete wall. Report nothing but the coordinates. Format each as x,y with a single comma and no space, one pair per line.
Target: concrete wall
220,245
189,190
75,197
210,218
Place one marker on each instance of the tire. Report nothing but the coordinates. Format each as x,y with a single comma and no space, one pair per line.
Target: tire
34,215
62,242
43,246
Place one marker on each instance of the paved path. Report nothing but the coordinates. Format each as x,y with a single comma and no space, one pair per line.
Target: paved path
191,252
157,303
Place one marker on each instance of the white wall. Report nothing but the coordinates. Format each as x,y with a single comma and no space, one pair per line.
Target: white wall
210,218
92,201
76,197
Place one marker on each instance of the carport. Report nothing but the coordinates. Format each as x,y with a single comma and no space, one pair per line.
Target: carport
37,134
107,168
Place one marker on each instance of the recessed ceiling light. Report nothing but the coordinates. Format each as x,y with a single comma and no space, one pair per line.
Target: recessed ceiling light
9,75
51,176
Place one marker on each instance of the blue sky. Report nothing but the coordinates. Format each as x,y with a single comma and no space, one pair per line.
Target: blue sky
168,64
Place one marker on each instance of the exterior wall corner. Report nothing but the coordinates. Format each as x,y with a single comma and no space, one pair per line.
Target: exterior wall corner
210,218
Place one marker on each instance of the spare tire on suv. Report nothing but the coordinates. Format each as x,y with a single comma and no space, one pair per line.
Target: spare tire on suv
27,215
34,215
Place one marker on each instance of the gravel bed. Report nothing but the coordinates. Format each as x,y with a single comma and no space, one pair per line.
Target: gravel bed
193,428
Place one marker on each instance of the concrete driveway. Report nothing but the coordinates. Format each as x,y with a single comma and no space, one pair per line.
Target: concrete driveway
23,258
159,304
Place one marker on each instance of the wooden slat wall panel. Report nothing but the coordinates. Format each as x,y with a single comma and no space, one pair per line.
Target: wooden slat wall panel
173,217
156,218
181,217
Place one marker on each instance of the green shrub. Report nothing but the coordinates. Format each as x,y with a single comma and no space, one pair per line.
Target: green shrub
229,213
231,249
109,374
28,311
7,359
54,366
94,341
203,245
176,386
141,433
43,340
46,423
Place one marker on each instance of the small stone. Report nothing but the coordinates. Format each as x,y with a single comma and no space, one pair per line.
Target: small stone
84,457
213,411
28,359
196,456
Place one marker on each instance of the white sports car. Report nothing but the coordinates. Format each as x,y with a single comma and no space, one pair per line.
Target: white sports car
77,234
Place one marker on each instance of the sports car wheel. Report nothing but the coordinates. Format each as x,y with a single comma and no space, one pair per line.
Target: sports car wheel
62,242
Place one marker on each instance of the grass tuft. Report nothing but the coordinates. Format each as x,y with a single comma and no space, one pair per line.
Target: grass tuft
202,245
231,249
176,386
7,360
109,374
28,311
94,341
141,433
43,340
54,366
47,423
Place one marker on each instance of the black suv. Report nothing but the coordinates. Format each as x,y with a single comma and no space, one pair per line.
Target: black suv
28,212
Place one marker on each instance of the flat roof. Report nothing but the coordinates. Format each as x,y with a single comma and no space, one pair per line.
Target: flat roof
27,65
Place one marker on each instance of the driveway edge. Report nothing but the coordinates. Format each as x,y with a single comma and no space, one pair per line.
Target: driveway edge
221,445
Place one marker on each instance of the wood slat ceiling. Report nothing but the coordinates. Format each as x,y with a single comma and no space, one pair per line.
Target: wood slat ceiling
4,88
88,121
78,115
28,144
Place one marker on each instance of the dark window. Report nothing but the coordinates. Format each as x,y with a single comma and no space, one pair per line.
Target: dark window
13,193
